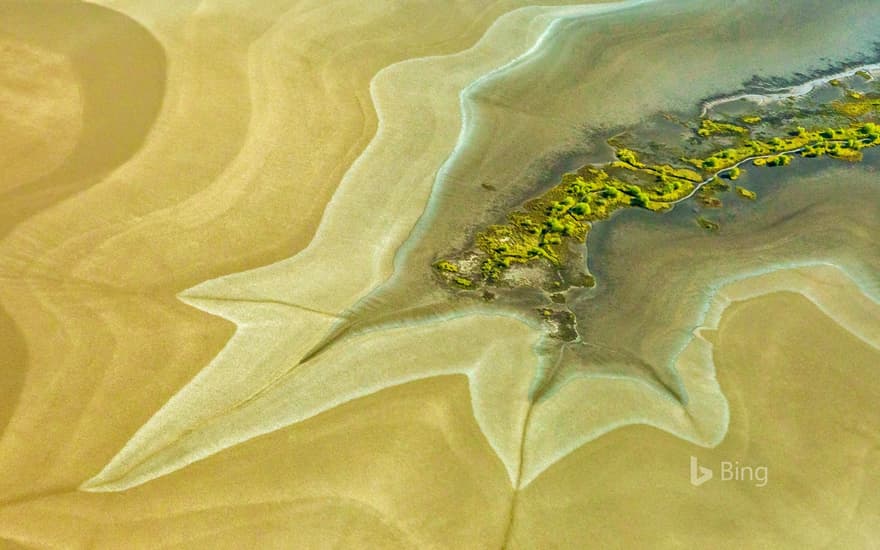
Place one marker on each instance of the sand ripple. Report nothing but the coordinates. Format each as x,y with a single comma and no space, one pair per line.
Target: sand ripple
135,357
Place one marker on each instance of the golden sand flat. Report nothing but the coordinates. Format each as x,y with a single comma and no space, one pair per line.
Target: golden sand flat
193,193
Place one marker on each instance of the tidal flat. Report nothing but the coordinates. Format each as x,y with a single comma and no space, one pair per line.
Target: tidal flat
471,194
580,65
467,197
234,344
788,371
660,268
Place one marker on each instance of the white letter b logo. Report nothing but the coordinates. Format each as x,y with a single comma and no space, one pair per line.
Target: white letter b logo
699,474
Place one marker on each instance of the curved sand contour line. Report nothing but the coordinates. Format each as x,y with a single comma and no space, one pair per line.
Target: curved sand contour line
703,421
496,372
90,281
561,425
245,311
253,299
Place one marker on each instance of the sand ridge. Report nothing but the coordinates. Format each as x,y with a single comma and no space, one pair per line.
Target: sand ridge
794,409
319,302
704,419
405,132
260,116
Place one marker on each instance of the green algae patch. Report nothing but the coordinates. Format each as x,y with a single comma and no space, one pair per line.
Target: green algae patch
857,105
707,224
775,160
446,266
746,193
710,127
541,229
544,227
540,244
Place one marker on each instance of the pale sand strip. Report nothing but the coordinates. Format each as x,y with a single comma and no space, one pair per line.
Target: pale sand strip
785,406
418,102
803,394
853,305
89,284
498,372
582,411
66,308
590,407
703,420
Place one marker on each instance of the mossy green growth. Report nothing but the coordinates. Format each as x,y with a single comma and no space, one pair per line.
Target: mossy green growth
856,106
840,143
775,160
539,231
447,266
710,127
746,193
716,184
708,224
542,229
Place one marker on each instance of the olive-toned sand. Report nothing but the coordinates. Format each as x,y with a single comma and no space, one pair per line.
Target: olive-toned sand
156,158
147,149
802,394
408,468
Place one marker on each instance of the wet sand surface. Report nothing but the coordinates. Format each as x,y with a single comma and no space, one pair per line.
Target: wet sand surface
802,395
182,143
404,468
328,295
794,409
156,158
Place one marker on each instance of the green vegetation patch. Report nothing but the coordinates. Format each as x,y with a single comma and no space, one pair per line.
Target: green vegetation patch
651,175
746,193
710,127
542,229
707,224
734,173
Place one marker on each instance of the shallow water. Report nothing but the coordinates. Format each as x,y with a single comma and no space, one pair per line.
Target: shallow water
584,73
655,273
